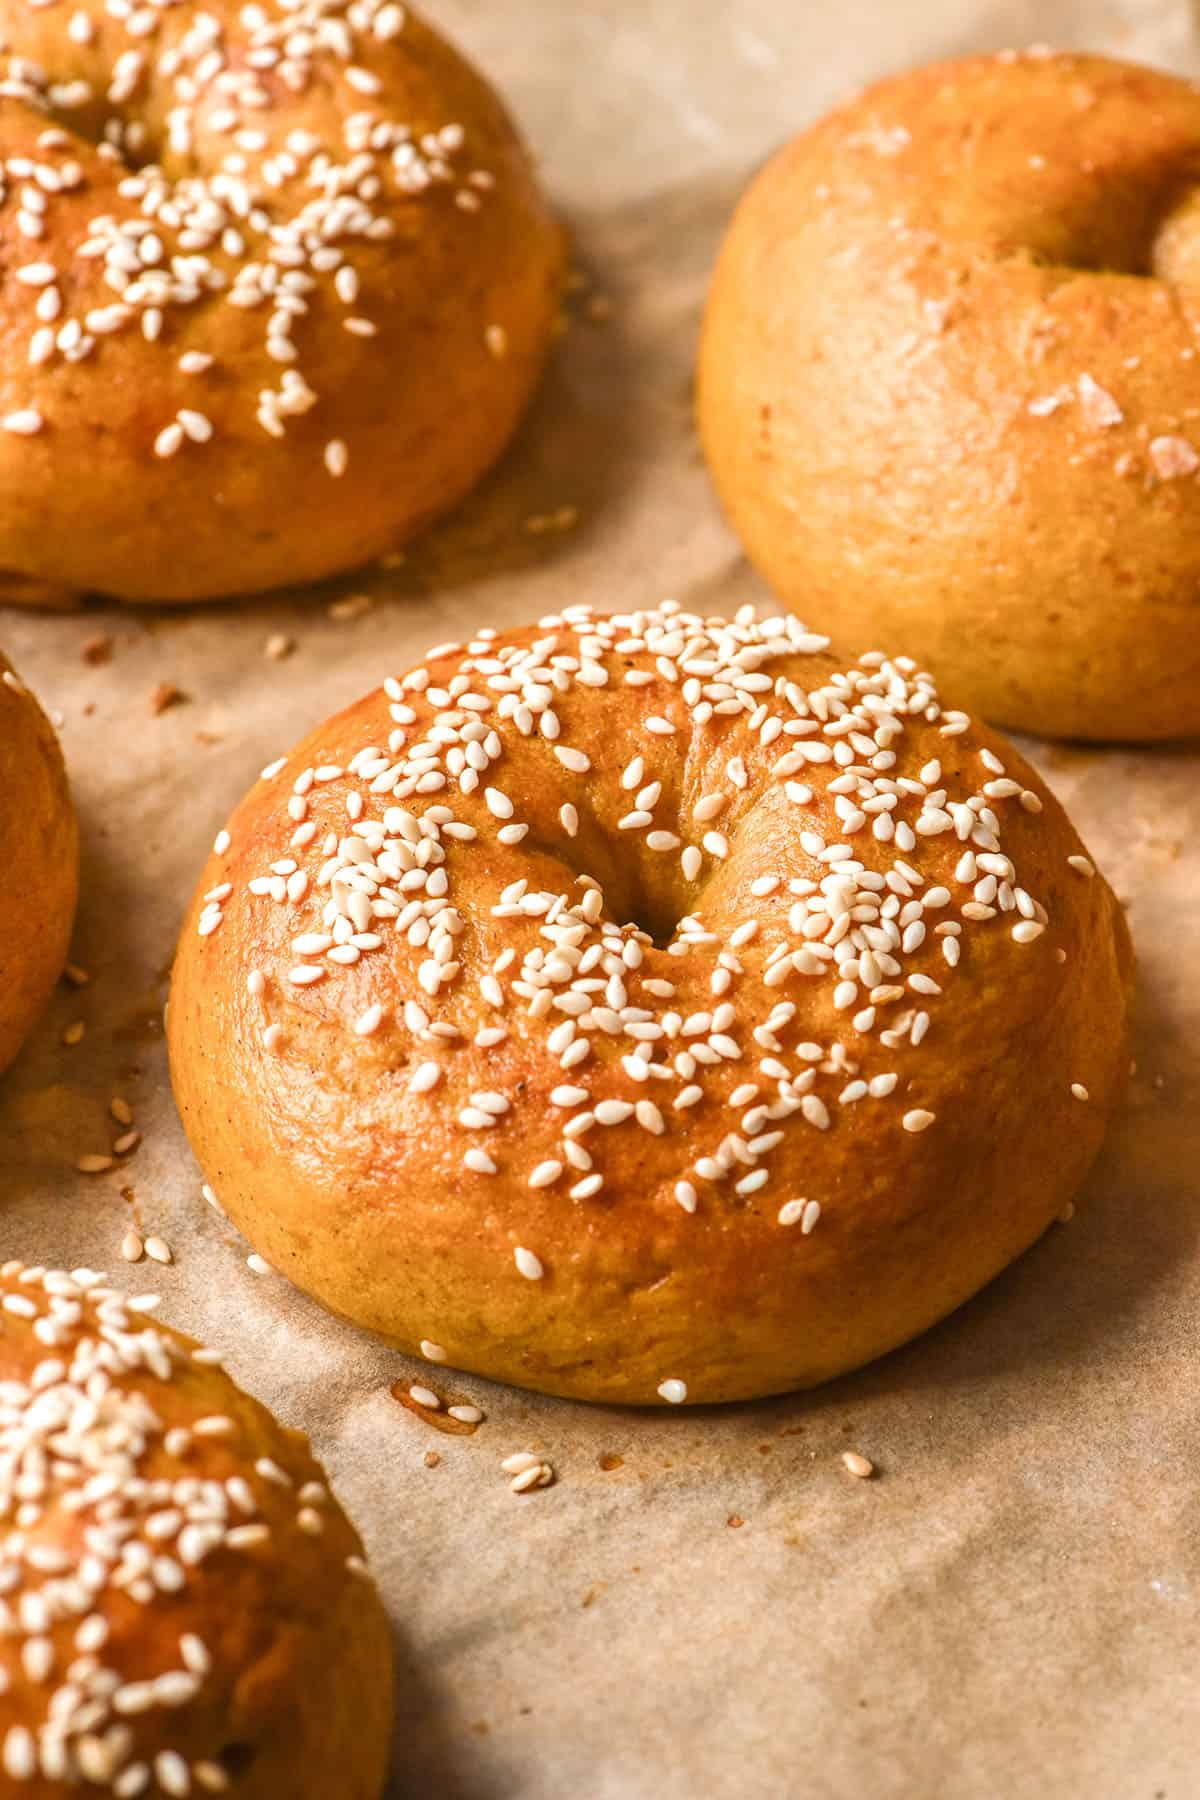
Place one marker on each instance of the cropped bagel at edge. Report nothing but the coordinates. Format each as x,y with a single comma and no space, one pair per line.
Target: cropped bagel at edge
39,847
186,1607
949,385
276,285
649,1008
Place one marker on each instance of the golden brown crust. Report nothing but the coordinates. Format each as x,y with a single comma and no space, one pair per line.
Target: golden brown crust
183,1568
39,841
646,1226
949,386
415,351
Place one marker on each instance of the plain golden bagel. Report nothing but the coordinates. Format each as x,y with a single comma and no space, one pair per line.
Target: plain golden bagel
949,385
186,1608
649,1008
277,285
39,848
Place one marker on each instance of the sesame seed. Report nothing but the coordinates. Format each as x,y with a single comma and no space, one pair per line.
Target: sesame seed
20,1754
673,1392
27,421
169,440
337,457
520,1462
917,1120
196,425
528,1478
857,1465
529,1265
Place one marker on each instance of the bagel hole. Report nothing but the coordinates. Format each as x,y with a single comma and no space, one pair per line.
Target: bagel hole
658,917
129,128
653,907
1143,229
237,1759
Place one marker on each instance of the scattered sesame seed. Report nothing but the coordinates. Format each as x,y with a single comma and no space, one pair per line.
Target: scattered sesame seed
530,1478
857,1465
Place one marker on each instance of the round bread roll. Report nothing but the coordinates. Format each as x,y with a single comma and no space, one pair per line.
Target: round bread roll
649,1008
279,284
39,846
949,387
185,1609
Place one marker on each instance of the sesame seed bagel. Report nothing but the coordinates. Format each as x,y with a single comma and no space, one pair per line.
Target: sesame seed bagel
185,1609
949,387
39,845
276,281
649,1008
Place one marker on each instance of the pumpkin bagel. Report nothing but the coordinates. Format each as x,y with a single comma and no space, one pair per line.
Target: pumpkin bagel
649,1008
39,846
179,1582
276,284
949,385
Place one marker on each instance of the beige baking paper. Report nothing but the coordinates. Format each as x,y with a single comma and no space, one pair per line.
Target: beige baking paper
705,1606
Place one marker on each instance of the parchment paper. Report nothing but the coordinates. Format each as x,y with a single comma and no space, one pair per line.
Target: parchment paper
1010,1608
